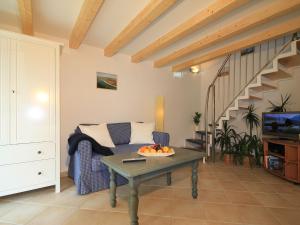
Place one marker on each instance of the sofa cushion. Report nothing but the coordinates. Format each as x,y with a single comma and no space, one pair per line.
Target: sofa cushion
120,133
142,133
97,165
99,133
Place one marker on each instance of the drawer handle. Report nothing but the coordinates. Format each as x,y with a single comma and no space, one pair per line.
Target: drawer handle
39,173
39,152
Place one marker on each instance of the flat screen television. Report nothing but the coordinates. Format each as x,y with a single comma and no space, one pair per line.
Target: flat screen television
282,125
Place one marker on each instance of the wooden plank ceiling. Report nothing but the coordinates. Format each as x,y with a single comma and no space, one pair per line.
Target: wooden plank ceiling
156,8
25,10
152,11
214,11
290,26
260,17
86,16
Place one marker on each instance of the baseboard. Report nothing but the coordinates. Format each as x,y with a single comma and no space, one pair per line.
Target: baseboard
64,174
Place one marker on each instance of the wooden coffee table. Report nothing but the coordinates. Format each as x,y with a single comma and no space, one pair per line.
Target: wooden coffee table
137,172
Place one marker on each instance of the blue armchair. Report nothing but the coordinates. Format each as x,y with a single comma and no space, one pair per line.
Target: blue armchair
85,167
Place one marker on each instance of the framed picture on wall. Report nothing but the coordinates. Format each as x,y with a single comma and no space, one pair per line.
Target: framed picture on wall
106,81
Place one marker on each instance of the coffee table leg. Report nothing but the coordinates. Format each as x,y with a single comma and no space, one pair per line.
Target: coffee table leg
133,202
169,179
112,188
195,179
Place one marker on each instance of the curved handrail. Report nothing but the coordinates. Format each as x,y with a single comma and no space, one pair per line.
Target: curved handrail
256,75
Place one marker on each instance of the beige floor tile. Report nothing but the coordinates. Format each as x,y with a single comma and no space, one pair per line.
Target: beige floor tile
154,220
188,209
155,191
257,187
273,200
241,197
182,193
188,221
156,206
210,184
101,202
232,186
226,176
286,216
87,217
6,206
292,198
212,196
257,215
222,213
52,215
22,213
113,218
6,223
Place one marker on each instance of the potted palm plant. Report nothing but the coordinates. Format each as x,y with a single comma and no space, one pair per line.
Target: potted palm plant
225,139
282,106
252,121
196,119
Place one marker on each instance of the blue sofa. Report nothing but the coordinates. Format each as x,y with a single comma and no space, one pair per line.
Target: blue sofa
85,167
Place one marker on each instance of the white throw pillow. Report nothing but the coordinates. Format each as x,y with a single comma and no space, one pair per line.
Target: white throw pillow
99,133
141,133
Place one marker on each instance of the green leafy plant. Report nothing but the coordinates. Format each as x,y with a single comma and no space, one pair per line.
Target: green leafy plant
251,118
225,138
282,107
256,149
196,118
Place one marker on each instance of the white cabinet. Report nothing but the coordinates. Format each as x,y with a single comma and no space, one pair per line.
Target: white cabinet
4,90
29,113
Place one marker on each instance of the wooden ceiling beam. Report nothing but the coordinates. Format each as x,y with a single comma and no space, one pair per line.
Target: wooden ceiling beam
152,11
88,12
25,10
268,13
272,32
214,11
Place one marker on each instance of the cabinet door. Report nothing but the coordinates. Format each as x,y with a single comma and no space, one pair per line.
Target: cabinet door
35,92
5,90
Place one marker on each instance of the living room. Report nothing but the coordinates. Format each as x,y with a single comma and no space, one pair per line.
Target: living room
138,76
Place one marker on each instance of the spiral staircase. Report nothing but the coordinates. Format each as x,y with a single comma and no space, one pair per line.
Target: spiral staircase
241,80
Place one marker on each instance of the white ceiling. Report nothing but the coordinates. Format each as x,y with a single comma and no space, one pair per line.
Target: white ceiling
57,17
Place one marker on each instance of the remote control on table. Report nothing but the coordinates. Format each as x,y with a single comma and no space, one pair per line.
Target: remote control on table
133,160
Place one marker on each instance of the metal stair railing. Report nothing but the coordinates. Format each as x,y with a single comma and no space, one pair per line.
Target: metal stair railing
215,87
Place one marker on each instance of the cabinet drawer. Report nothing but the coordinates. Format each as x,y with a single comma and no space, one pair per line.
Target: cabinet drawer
11,154
24,175
291,153
291,171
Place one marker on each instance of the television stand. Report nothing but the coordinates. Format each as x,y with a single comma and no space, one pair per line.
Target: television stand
282,158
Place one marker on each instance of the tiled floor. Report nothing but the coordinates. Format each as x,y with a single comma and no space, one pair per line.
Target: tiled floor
227,196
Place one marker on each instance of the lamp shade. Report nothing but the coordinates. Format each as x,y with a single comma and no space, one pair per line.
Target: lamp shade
159,113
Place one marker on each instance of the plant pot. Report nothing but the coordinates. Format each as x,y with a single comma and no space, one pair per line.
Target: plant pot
247,161
196,127
227,159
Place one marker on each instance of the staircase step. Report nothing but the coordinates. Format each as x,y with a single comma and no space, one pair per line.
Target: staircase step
264,87
243,107
290,61
251,97
280,74
255,97
196,141
224,73
211,125
202,132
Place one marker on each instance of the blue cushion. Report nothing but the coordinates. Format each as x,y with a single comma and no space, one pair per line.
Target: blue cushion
120,133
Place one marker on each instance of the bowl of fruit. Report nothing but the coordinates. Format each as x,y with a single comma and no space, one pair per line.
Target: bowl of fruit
156,150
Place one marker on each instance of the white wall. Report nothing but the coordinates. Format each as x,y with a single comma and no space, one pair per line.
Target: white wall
138,85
